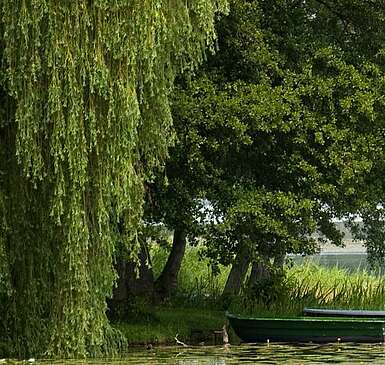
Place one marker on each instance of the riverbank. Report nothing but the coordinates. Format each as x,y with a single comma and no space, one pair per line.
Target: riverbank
196,312
163,325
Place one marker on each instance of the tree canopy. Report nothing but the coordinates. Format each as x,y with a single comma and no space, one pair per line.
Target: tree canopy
84,117
288,120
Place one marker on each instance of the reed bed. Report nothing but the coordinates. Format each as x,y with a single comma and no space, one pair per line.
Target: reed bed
309,285
302,285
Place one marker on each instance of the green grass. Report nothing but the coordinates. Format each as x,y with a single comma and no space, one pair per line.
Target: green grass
193,313
337,287
196,307
314,286
198,284
305,285
166,323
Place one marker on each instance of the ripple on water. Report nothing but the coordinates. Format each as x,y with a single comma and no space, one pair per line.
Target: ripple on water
246,354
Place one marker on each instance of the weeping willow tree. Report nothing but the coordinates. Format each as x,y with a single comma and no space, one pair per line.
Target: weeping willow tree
84,118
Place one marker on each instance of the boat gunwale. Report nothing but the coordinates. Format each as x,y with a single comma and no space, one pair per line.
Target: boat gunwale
346,313
307,319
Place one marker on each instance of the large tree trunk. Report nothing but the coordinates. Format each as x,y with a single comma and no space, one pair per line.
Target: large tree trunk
167,282
132,282
263,278
237,274
260,272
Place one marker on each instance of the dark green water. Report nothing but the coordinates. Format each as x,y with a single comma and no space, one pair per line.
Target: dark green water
245,354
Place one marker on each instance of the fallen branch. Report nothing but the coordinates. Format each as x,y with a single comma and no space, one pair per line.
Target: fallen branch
179,342
225,335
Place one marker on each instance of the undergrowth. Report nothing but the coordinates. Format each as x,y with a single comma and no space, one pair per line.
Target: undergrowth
197,306
314,286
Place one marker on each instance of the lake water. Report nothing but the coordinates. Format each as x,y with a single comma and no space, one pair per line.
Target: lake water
349,261
245,354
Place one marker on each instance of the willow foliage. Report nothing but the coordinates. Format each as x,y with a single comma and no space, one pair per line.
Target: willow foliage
84,117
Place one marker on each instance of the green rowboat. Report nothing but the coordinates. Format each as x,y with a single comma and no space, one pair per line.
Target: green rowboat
307,329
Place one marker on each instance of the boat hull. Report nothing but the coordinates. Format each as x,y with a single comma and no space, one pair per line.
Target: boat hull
307,329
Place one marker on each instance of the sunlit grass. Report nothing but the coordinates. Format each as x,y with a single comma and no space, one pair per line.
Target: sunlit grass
309,285
304,285
198,305
197,282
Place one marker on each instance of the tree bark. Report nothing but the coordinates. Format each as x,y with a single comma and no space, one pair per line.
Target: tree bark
237,274
260,272
167,282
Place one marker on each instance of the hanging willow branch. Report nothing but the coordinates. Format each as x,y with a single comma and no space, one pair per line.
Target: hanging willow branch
84,117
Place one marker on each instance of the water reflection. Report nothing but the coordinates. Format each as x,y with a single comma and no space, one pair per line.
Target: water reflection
247,354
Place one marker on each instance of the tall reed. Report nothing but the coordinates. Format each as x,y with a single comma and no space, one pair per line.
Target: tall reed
309,285
303,285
